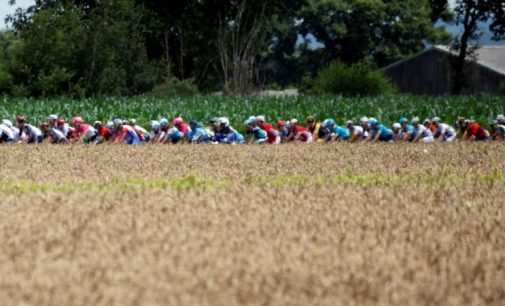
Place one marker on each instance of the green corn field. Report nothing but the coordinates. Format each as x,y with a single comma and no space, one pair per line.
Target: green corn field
388,109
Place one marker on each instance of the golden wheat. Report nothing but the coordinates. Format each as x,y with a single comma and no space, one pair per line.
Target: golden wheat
251,225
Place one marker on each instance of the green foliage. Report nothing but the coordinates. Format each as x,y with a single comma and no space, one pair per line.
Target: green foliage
5,78
354,80
440,10
8,46
351,31
275,86
44,61
175,87
383,31
67,49
471,15
126,47
386,108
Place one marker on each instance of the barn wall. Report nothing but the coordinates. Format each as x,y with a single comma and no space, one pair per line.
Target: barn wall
486,80
430,74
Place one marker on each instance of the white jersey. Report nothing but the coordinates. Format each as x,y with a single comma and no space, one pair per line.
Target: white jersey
422,132
91,132
65,129
500,129
7,133
17,133
445,129
32,131
358,130
57,135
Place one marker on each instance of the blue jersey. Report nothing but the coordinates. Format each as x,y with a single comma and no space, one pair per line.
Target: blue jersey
385,134
259,134
229,135
174,135
408,130
235,137
341,132
220,137
199,135
284,132
131,137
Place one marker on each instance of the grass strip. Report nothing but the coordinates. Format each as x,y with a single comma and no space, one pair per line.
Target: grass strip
192,182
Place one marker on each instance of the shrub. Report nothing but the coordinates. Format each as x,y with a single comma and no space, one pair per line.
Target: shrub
354,80
5,80
175,87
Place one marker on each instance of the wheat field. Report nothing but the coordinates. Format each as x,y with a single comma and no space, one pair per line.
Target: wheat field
253,225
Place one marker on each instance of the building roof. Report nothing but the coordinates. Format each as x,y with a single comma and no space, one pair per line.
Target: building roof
491,57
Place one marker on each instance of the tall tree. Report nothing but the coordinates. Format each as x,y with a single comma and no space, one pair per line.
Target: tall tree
238,47
381,31
440,10
471,15
185,35
8,46
46,61
82,48
124,46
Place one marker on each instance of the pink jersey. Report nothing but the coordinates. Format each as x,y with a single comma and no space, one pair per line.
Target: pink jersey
184,128
82,130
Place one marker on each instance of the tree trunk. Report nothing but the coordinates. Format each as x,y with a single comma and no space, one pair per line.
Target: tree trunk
238,49
167,55
460,78
181,52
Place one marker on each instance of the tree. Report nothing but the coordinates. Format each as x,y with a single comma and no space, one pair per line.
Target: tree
46,61
470,15
440,11
125,47
8,45
184,35
381,31
238,45
82,48
115,55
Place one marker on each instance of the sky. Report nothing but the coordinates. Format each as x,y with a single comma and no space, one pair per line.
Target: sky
6,9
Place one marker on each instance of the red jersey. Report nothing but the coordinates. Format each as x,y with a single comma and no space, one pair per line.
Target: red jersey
123,132
302,134
272,133
299,129
480,133
105,133
72,133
